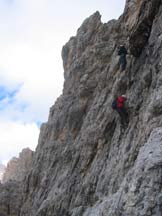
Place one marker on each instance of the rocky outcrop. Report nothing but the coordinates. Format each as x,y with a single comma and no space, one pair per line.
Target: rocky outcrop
10,199
11,196
2,169
17,168
147,11
87,163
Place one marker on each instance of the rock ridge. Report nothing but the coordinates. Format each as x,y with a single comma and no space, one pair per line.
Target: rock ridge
17,168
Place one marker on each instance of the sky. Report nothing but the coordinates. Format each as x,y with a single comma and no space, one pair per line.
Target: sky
32,34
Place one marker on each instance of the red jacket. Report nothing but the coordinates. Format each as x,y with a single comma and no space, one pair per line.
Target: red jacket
120,102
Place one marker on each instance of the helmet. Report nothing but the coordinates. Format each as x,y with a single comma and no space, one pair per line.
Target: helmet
124,96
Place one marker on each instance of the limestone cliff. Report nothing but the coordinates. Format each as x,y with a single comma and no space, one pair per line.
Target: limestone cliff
10,198
86,163
2,169
11,190
18,167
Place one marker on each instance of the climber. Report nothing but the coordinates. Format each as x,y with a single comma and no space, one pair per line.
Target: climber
119,107
122,52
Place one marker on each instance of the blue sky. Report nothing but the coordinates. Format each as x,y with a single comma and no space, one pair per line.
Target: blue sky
31,74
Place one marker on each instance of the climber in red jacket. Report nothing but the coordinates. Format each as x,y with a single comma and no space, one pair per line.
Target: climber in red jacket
121,109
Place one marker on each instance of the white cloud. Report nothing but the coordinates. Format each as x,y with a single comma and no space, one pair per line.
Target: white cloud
15,136
40,76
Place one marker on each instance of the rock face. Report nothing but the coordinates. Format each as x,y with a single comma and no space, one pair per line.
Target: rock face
18,167
140,33
10,199
86,162
11,194
2,169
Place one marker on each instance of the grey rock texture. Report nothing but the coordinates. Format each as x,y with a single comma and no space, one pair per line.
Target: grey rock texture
2,169
10,199
17,168
140,33
11,191
87,163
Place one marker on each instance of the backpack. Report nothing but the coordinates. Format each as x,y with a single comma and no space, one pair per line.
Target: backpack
114,104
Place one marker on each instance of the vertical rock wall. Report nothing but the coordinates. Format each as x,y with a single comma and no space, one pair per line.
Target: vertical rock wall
17,168
86,163
2,169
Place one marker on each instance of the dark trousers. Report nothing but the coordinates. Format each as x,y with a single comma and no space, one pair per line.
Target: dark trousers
122,62
123,114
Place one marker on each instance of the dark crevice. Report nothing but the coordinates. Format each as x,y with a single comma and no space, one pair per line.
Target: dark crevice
109,131
141,31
